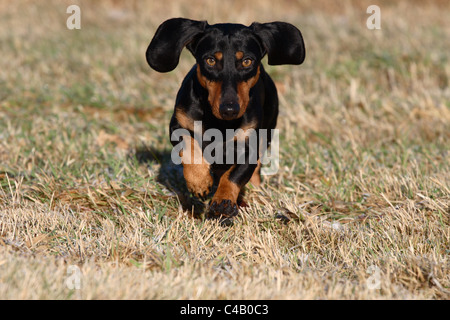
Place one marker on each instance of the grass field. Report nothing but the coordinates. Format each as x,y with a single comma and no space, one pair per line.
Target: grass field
358,210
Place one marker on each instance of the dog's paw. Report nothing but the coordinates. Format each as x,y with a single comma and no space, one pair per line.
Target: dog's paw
200,188
223,210
200,193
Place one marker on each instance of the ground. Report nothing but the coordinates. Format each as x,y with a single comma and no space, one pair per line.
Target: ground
91,208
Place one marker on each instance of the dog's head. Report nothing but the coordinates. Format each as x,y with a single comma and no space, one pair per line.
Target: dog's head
228,56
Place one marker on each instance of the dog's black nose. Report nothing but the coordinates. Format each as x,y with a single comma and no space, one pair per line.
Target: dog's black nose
229,110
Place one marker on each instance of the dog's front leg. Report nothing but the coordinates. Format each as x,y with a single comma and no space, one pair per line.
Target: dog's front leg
224,202
196,169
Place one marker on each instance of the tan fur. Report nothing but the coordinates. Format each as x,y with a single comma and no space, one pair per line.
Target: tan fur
241,135
256,177
184,120
214,92
196,169
243,90
187,122
226,190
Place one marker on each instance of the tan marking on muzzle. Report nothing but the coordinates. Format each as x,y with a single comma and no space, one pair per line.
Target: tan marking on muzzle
243,91
214,92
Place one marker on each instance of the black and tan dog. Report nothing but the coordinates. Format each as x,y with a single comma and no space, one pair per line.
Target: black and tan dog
227,88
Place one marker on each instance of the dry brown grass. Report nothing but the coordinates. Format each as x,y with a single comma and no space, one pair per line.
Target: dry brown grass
85,178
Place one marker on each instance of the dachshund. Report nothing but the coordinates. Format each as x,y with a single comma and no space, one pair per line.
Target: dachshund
227,88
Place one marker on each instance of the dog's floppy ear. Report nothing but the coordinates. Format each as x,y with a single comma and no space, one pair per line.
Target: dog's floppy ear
283,42
172,36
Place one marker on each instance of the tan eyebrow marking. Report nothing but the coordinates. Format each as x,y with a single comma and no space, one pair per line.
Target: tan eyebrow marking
239,55
218,55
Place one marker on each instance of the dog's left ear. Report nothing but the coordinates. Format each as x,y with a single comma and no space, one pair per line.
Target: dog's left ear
172,36
283,42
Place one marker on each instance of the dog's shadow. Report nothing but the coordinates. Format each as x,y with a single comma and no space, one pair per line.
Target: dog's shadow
171,176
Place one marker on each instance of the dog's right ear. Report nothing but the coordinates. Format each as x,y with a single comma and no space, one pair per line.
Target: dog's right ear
172,36
283,42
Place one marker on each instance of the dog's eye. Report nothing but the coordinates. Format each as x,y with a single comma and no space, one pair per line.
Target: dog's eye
211,61
247,63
